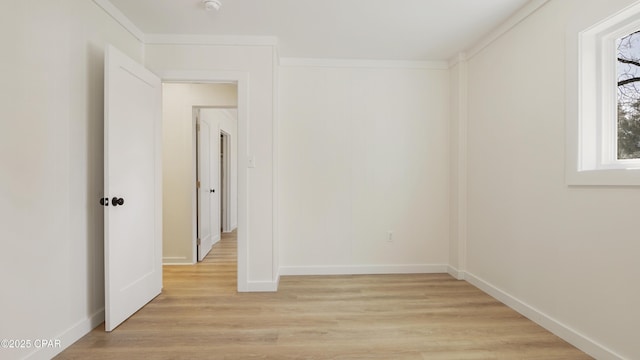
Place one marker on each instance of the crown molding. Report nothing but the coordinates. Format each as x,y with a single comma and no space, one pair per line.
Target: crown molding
523,13
182,39
121,18
197,39
457,59
363,63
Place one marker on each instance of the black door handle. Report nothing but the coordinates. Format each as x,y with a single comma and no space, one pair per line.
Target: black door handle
212,190
117,201
104,201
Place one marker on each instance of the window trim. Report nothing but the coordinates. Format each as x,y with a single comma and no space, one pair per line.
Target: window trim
591,98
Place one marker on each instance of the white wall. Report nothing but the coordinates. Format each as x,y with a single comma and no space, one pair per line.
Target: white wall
178,100
566,254
363,150
569,254
51,141
257,63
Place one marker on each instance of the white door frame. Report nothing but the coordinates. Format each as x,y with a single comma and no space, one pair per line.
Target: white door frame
225,178
242,81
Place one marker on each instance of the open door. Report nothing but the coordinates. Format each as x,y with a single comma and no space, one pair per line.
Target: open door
213,118
205,186
132,187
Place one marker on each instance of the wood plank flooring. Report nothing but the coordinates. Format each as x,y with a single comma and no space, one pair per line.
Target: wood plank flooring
199,315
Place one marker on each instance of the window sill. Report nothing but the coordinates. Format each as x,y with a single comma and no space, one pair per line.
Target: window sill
602,177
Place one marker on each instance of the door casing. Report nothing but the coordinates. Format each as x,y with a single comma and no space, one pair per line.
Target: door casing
241,79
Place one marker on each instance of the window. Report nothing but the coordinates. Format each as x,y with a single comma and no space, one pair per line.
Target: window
628,96
603,101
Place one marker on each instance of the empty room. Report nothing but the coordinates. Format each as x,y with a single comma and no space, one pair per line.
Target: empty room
338,179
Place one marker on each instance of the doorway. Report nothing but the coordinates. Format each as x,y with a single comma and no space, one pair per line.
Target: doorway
180,153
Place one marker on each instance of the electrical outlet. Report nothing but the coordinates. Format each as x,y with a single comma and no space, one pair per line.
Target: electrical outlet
389,236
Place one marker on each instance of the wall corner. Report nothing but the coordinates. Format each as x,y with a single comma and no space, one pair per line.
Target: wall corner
458,162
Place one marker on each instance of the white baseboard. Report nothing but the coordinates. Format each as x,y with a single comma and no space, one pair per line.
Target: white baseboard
178,263
68,337
563,331
230,230
459,275
262,286
215,240
363,269
176,260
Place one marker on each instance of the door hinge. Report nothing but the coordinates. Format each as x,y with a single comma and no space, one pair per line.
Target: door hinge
198,184
199,242
197,127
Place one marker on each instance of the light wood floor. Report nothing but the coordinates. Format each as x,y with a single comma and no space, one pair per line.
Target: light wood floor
199,315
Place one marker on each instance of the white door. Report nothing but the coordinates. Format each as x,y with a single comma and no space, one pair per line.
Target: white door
132,187
205,188
213,118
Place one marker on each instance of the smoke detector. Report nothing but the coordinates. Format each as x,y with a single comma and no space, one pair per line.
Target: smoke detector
212,4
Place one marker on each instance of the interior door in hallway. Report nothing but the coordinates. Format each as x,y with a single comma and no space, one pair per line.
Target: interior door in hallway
210,116
207,187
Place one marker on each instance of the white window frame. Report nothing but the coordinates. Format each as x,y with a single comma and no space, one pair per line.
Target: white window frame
592,101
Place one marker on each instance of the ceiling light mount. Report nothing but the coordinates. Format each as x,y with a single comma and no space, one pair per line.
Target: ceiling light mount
211,5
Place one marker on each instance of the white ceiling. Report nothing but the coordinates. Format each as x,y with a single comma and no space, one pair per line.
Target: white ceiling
348,29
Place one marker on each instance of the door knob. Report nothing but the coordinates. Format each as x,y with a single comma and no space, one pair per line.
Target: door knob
212,190
117,201
104,201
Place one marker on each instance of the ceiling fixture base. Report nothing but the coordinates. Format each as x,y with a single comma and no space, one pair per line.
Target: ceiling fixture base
211,5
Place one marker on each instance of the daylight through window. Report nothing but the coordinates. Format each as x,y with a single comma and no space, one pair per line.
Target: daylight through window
628,73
